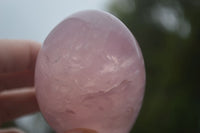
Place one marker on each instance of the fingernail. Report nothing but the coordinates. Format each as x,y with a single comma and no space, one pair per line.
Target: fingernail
81,130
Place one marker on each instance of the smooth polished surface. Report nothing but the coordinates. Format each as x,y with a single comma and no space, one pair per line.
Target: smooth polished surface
90,74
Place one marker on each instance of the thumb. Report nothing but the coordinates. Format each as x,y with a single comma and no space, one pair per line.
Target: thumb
11,130
81,130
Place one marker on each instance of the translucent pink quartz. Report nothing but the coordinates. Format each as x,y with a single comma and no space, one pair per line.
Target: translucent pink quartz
90,74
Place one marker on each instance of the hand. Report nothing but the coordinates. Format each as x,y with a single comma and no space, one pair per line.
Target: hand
17,95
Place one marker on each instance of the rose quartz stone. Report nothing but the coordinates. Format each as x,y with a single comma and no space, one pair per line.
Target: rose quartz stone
90,74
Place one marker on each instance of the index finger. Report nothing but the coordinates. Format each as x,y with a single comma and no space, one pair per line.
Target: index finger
17,55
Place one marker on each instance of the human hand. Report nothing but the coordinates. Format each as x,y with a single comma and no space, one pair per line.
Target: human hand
17,95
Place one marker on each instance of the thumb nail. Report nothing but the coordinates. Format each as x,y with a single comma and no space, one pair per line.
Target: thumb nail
81,130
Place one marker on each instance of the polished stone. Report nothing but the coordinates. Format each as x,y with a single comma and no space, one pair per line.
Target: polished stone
90,74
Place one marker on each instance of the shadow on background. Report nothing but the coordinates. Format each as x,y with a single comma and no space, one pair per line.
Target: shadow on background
168,32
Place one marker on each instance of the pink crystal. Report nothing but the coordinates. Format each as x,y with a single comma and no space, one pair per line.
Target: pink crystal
90,74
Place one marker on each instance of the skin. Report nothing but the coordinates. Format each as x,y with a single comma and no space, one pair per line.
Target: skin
17,95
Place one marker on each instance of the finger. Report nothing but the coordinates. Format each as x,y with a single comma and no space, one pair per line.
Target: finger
16,103
81,130
16,80
17,63
17,55
11,130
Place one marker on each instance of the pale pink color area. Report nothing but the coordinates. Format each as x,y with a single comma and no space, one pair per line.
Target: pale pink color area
90,74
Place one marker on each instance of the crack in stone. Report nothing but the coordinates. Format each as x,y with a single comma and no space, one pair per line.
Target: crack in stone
116,89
